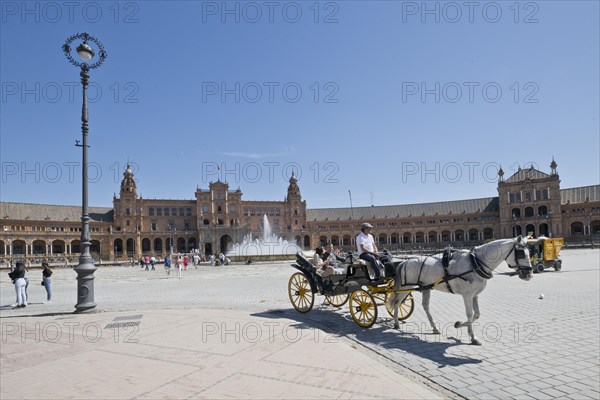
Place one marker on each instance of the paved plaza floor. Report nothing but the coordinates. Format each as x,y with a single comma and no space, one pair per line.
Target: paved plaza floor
231,333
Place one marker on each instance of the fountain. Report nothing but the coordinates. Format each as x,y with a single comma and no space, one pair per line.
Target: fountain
268,247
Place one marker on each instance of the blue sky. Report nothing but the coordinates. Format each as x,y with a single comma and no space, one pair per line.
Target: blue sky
398,102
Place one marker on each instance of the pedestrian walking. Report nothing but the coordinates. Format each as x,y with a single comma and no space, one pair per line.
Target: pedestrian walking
212,260
46,281
146,263
153,262
186,261
179,266
168,265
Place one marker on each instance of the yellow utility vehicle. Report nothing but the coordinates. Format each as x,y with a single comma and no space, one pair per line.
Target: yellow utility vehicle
544,253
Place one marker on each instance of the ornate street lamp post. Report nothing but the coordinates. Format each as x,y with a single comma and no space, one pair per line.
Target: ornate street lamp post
514,226
171,239
85,269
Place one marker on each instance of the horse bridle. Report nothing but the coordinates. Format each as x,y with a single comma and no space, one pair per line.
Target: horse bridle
519,250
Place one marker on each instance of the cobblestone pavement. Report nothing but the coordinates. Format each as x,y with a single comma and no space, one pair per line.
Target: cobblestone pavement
532,347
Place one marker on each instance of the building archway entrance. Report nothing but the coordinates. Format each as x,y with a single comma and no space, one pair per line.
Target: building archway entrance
225,243
208,248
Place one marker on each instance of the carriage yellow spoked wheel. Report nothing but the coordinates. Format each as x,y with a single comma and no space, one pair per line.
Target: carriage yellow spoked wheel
301,295
337,301
363,308
405,309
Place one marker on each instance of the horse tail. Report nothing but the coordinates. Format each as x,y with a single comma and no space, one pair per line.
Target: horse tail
392,300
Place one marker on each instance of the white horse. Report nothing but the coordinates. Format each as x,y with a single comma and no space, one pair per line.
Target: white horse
467,274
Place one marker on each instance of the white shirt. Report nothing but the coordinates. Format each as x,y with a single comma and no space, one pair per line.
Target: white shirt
365,240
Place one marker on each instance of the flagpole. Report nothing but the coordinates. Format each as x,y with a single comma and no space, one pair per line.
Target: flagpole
351,209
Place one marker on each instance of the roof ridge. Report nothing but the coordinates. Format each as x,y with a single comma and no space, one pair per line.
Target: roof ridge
399,205
580,187
46,204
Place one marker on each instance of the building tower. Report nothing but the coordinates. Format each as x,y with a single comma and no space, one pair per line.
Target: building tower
128,218
295,212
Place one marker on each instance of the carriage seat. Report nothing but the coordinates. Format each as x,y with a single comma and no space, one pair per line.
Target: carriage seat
303,262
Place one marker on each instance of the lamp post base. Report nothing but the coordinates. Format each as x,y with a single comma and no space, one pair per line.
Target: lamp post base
85,285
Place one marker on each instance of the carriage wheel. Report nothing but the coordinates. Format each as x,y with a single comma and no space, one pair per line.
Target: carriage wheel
405,309
337,301
300,293
363,308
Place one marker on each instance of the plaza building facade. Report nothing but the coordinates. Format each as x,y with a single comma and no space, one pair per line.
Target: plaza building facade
528,202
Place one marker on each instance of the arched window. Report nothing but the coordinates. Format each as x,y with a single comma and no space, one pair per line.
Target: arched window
432,236
445,236
335,240
322,240
577,228
346,240
488,233
473,233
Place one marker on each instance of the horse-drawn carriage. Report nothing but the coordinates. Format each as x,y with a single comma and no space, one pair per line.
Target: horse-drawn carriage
356,286
463,272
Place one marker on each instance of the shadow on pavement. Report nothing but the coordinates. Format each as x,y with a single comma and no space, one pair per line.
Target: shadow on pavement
378,335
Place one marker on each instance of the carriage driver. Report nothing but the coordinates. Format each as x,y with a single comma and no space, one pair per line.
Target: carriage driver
367,250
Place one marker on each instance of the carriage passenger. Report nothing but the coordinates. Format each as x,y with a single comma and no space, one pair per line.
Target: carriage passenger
317,260
327,251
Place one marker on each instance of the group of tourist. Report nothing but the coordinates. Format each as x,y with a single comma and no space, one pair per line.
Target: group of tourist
325,261
182,261
19,277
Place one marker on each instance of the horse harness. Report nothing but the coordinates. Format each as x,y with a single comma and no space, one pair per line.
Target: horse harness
478,268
